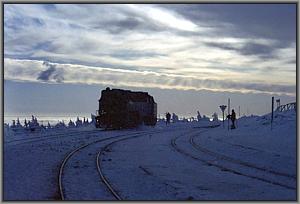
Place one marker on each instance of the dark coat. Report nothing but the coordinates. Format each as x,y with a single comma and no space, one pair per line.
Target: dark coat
233,116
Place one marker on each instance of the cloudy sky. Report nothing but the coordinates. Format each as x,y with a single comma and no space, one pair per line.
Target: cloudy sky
189,56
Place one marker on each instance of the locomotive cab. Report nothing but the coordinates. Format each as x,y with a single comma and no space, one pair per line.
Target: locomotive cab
125,109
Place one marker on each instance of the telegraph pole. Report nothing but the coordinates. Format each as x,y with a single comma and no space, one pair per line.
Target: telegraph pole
272,112
228,111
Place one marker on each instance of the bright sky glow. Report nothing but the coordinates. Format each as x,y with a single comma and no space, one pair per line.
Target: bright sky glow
165,17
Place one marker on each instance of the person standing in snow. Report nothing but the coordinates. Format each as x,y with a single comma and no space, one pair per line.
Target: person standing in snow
168,117
232,117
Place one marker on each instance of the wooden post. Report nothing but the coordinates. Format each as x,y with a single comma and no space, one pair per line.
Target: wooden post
228,111
272,111
223,119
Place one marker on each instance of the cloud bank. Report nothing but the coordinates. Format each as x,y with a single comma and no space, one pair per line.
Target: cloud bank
40,71
51,73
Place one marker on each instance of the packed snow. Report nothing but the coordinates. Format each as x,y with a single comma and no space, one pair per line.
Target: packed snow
194,159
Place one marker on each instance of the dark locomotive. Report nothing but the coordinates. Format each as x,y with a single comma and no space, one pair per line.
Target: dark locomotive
125,109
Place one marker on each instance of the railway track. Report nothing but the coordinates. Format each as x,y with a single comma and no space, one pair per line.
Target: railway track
98,163
98,159
54,136
224,167
237,161
245,147
69,155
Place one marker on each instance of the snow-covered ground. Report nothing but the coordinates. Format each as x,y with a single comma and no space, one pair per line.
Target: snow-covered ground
181,161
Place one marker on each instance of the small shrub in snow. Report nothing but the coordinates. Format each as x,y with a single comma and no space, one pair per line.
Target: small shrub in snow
71,124
175,118
78,122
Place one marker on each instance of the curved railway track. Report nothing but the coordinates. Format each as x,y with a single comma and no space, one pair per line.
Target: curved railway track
103,178
98,159
223,167
236,161
69,155
251,148
98,163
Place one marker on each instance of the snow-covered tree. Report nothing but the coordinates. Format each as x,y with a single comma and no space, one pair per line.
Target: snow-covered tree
174,118
184,119
18,124
48,125
25,123
43,127
93,119
215,117
85,121
78,122
71,124
198,116
13,124
6,126
205,118
33,124
60,125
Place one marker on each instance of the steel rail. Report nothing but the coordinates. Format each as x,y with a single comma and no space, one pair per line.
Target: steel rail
70,154
223,168
50,137
236,161
98,162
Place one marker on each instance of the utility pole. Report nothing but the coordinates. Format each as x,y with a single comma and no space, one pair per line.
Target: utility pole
272,112
228,111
